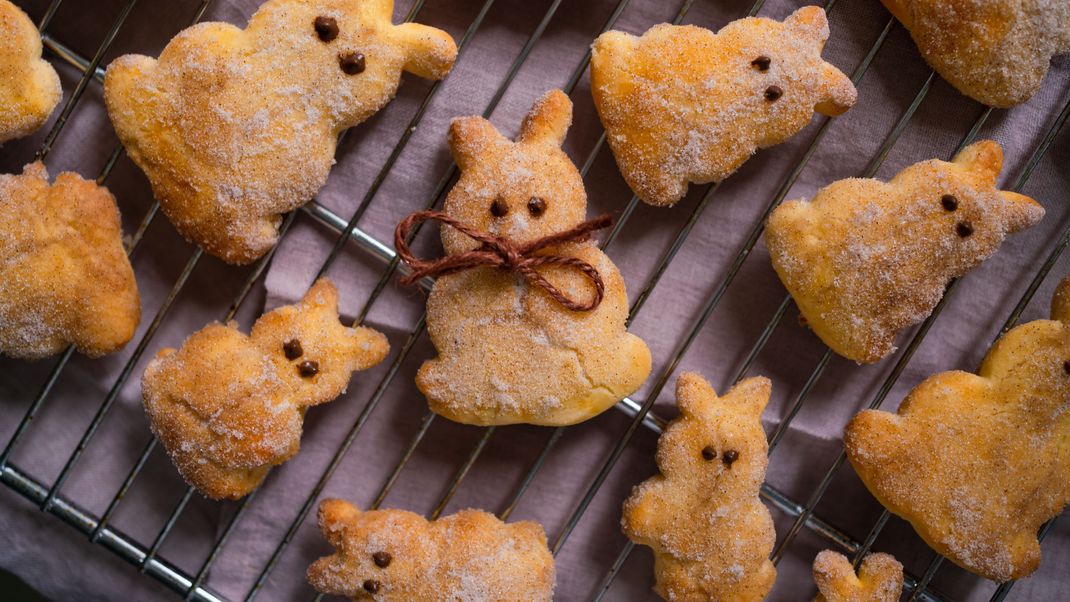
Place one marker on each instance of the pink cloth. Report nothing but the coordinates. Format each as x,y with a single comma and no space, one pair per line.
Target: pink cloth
59,562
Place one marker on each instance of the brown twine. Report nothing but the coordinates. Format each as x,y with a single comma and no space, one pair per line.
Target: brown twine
504,254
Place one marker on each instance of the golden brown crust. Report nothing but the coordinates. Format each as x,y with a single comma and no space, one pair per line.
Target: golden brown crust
235,127
29,86
228,407
64,275
470,555
879,579
681,104
866,259
508,352
977,463
994,51
701,515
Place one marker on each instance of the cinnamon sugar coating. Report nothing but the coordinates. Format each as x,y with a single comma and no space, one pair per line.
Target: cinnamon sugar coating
994,51
866,259
701,515
879,578
682,104
396,555
978,462
64,275
29,86
235,127
228,407
509,352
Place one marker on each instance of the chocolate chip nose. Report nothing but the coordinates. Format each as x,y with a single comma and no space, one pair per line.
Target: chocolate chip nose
351,63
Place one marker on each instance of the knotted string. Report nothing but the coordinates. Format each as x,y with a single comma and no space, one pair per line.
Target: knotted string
504,254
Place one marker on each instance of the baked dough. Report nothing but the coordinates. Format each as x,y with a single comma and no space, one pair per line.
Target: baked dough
682,104
710,534
236,127
64,275
29,86
866,259
977,463
879,579
994,51
509,352
228,407
395,555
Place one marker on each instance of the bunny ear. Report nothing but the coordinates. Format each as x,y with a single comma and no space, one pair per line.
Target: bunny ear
470,137
810,23
1060,302
838,91
548,119
752,393
1019,211
984,159
692,392
430,52
322,294
334,517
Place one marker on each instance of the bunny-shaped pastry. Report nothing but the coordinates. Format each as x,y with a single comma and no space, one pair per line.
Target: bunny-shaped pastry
29,86
236,127
978,462
865,259
710,534
228,407
879,579
395,555
508,351
682,104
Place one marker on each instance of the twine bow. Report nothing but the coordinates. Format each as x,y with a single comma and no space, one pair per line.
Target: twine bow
504,254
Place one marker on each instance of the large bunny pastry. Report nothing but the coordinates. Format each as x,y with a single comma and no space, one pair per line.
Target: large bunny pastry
228,407
978,462
399,556
682,104
710,534
865,259
994,51
236,127
508,351
29,86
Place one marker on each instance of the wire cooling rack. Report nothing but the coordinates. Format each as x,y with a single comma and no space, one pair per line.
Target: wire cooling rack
191,584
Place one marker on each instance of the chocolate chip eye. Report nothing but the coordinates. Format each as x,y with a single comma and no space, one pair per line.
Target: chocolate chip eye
708,453
729,457
292,349
964,229
382,559
371,586
536,206
308,368
949,202
498,208
1066,366
761,63
352,63
326,28
773,92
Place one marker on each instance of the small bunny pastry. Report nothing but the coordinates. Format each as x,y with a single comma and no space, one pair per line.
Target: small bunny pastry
994,51
508,351
228,407
682,104
64,275
29,86
866,259
879,579
710,534
399,556
236,127
978,462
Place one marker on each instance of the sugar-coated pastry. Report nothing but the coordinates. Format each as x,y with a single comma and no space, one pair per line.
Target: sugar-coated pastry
682,104
236,127
29,86
710,534
866,259
64,275
994,51
399,556
879,579
508,351
228,407
978,462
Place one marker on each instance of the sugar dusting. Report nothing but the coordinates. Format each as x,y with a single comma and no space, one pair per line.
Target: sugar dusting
29,86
